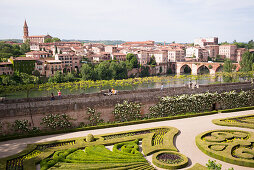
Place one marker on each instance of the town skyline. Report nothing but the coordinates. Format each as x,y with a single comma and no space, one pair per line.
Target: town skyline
130,21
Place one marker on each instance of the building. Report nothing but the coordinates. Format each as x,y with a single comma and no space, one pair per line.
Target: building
202,42
239,54
33,39
23,64
111,49
37,54
119,56
6,68
213,50
228,51
69,61
175,55
196,54
52,66
160,56
139,43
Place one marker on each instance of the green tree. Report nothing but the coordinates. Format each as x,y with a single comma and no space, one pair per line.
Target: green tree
25,47
132,59
152,61
228,66
69,77
119,70
103,71
247,61
87,72
144,71
57,78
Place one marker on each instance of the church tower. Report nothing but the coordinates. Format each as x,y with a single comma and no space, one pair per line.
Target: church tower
25,28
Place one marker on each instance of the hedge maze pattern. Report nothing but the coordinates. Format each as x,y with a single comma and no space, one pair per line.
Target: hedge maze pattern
17,163
231,146
78,152
239,121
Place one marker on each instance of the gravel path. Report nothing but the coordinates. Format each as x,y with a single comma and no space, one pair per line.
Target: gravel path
185,141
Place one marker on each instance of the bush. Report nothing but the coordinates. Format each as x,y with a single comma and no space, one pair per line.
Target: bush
195,103
127,111
213,165
94,117
57,121
89,138
21,126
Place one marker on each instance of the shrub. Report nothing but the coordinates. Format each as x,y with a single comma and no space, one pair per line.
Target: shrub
213,165
21,126
94,117
127,111
89,138
56,121
195,103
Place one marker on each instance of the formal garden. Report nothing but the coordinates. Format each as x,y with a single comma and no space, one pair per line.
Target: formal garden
129,149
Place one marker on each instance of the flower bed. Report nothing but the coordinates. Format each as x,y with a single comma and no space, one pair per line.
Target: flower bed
170,160
231,146
195,103
239,121
67,153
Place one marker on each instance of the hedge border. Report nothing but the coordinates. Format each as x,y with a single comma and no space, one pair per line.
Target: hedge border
198,166
202,145
169,166
80,143
45,133
234,124
180,116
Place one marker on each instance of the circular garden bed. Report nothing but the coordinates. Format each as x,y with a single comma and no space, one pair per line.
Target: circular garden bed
169,160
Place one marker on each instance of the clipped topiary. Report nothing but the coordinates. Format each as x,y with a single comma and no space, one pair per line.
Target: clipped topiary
89,138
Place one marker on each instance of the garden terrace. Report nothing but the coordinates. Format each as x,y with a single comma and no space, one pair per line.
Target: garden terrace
238,121
125,153
76,105
231,146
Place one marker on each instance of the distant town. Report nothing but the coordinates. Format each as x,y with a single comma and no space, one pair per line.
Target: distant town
45,55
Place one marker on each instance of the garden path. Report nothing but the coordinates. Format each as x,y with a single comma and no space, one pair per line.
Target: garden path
185,141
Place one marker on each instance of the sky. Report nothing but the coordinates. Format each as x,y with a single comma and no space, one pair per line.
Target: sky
129,20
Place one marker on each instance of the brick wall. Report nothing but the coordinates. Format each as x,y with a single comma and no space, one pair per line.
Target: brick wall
75,105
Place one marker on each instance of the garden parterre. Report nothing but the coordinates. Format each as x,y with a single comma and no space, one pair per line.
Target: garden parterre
238,121
69,153
232,146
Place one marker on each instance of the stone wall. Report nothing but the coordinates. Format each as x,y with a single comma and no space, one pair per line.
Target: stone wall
76,105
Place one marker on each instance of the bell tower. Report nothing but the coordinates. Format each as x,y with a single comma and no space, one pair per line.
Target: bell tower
25,28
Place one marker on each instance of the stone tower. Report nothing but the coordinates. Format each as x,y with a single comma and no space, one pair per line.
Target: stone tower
25,28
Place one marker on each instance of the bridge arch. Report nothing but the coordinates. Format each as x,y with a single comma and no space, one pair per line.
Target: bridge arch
203,69
185,69
219,69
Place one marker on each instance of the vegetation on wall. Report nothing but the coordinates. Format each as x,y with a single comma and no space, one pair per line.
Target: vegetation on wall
201,102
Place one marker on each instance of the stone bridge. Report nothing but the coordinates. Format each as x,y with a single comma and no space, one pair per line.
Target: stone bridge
197,67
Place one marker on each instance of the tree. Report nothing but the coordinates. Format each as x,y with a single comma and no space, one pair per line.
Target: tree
144,71
152,61
103,71
119,70
132,59
228,66
55,39
69,77
247,61
57,78
25,47
87,72
49,40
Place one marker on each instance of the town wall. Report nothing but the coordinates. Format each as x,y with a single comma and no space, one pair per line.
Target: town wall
76,105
